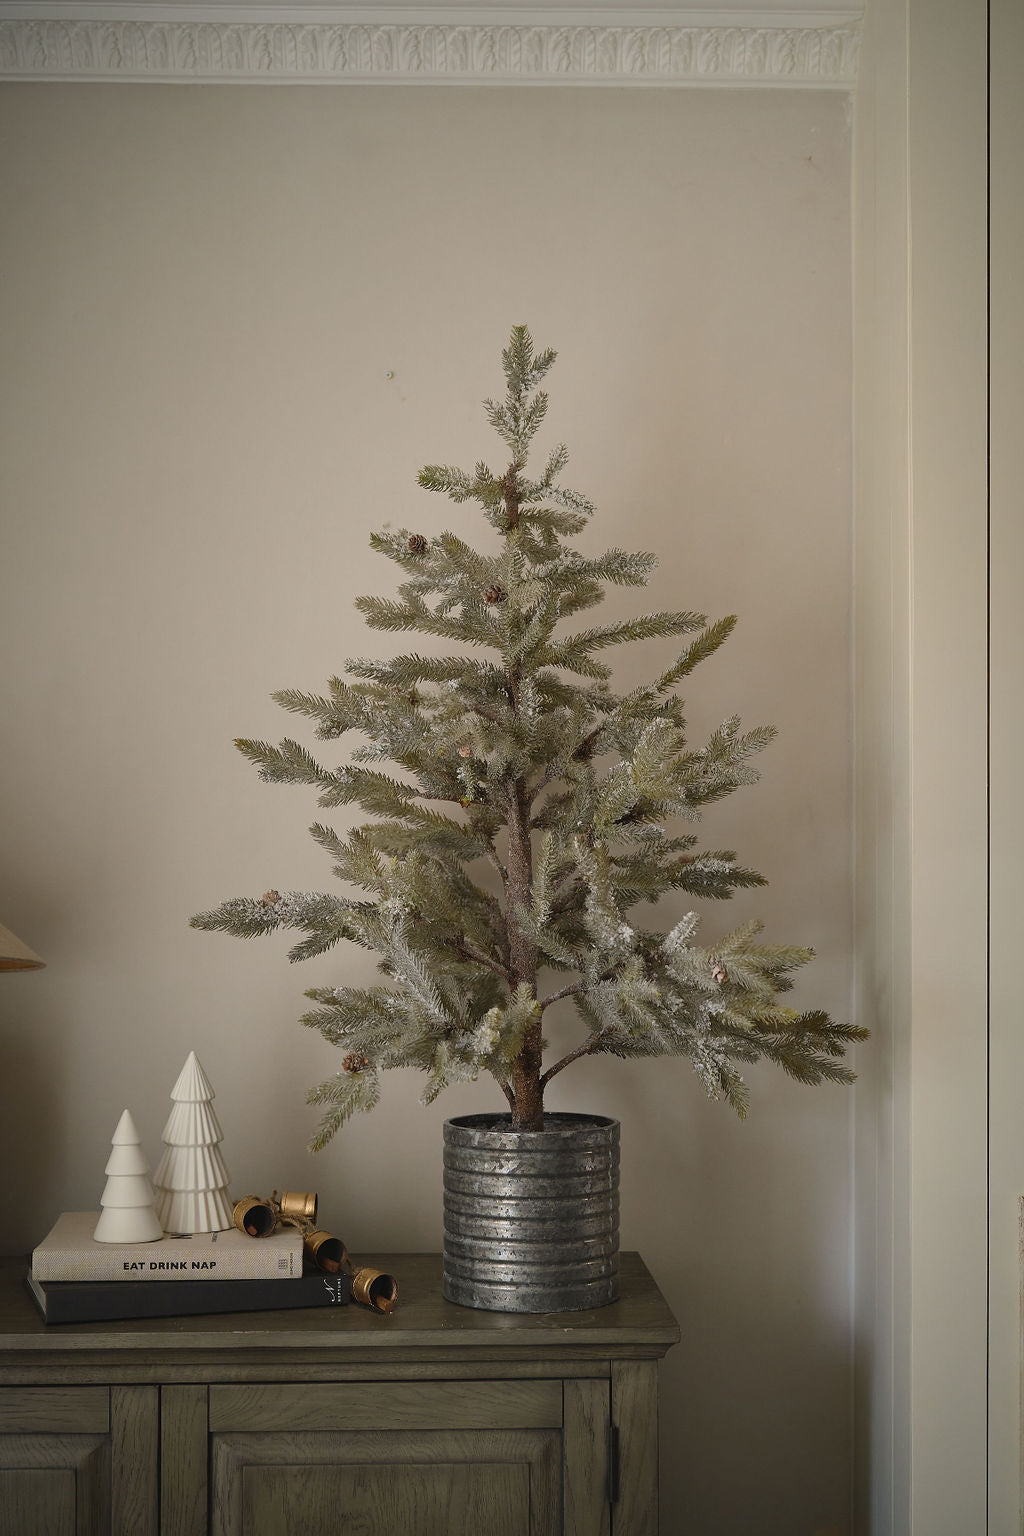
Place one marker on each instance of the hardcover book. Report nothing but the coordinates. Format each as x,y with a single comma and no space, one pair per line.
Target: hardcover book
69,1253
87,1301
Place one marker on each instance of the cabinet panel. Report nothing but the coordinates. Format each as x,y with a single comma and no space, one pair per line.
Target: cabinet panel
135,1451
58,1483
37,1501
635,1411
183,1455
388,1405
525,1464
445,1499
55,1410
585,1459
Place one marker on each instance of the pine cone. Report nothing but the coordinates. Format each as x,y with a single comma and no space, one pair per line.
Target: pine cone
355,1062
494,595
417,544
465,750
270,898
720,974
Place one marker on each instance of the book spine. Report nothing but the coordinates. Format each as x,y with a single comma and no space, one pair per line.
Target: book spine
103,1302
255,1261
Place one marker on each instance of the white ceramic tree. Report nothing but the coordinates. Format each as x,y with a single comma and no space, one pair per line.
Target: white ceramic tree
191,1178
127,1215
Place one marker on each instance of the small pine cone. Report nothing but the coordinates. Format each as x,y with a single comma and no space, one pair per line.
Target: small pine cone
720,974
270,898
494,595
417,544
465,750
355,1062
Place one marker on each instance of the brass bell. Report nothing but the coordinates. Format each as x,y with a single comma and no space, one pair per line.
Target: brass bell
373,1288
298,1207
253,1216
326,1252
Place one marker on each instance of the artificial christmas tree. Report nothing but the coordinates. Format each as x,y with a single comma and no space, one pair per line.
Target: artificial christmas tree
565,786
518,760
127,1215
191,1178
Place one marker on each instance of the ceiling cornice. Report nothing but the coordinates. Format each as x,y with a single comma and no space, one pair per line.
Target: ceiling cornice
49,40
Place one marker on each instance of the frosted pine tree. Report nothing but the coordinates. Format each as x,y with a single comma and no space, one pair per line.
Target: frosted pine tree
531,810
191,1178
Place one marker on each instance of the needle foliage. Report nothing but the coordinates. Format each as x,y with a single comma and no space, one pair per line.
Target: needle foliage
520,811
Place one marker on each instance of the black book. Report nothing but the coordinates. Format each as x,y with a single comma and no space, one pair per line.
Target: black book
93,1301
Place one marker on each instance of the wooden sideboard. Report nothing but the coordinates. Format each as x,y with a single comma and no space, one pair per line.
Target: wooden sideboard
437,1420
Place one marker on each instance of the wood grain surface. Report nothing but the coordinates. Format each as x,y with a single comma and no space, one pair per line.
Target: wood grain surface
53,1410
54,1464
635,1412
587,1511
423,1319
134,1454
184,1438
386,1458
460,1499
33,1500
389,1405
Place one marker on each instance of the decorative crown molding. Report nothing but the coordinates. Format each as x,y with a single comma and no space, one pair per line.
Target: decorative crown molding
172,43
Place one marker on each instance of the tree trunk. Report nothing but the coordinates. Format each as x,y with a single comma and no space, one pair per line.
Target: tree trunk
528,1095
528,1108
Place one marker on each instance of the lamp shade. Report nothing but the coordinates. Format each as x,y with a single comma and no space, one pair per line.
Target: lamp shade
16,956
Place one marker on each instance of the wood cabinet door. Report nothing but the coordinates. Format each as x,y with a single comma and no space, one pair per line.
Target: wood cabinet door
419,1483
77,1461
391,1459
54,1461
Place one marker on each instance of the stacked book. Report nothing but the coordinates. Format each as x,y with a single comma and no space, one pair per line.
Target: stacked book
74,1279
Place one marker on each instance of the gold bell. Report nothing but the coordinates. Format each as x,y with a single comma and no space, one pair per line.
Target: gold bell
253,1216
326,1252
298,1207
373,1288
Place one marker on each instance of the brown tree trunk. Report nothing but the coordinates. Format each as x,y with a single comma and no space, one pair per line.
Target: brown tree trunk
528,1108
528,1094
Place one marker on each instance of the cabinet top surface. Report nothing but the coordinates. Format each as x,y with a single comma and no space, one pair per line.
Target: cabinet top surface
422,1319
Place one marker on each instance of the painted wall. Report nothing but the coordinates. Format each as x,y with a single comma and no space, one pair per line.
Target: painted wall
204,293
882,777
1006,819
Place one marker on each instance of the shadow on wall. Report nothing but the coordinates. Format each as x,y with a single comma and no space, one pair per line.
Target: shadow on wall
714,1232
34,1140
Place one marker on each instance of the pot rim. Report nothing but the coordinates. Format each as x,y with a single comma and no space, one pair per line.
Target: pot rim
562,1123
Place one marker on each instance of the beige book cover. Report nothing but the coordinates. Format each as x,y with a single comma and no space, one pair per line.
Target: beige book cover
68,1252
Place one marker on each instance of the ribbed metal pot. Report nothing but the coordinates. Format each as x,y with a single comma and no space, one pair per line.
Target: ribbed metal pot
531,1218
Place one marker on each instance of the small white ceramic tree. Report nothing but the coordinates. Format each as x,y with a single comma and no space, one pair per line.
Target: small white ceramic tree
127,1215
191,1178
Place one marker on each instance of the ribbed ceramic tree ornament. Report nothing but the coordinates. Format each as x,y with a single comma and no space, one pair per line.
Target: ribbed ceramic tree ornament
531,1218
192,1178
192,1125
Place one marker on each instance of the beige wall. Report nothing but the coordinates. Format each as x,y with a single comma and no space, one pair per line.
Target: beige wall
882,776
203,292
1007,751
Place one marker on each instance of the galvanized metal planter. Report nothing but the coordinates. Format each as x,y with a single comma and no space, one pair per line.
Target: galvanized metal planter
531,1218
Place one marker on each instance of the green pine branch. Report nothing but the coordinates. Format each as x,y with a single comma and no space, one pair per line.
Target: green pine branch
519,809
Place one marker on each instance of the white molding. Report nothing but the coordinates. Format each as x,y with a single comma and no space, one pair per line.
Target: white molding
48,40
